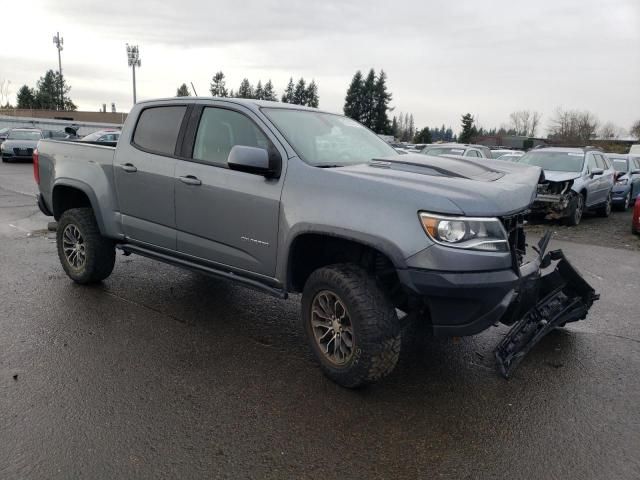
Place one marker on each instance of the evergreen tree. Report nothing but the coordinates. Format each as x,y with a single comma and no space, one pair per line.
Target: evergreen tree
26,97
448,135
258,94
368,100
353,100
48,93
287,96
217,87
381,104
468,129
183,91
312,95
269,92
394,127
423,136
246,89
300,93
232,94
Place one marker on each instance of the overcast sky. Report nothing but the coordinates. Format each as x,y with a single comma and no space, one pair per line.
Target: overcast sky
442,58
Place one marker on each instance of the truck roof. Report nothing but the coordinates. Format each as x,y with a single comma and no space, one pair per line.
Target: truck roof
247,102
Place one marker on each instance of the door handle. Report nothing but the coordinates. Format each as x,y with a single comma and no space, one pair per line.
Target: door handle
190,180
129,168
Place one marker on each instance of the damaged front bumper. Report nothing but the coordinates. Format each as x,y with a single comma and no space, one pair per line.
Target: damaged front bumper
552,206
531,297
543,302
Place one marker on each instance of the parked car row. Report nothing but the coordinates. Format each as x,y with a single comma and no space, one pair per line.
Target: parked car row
18,144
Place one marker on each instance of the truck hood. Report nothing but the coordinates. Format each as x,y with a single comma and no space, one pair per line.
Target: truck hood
11,144
553,176
476,187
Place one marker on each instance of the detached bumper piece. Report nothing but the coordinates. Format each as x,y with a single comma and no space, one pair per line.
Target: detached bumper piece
548,302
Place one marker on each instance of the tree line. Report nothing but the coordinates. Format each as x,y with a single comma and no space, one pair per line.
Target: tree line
50,93
367,101
299,93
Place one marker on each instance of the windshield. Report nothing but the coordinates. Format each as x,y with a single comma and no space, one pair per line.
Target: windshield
327,140
554,161
438,151
23,135
620,164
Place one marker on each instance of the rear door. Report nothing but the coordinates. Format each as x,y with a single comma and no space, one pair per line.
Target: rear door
606,180
144,176
592,182
223,216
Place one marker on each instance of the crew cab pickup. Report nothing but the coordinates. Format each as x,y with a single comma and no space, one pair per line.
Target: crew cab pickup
285,199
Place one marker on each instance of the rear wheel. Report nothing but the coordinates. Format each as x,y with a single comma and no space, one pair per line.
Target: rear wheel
85,255
624,206
605,210
351,326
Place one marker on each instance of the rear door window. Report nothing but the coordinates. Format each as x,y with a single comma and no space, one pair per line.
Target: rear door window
157,129
472,153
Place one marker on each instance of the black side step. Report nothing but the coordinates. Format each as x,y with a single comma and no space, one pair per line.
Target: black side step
567,298
180,262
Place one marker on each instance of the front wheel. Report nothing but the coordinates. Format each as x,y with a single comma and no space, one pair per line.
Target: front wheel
86,256
576,210
351,326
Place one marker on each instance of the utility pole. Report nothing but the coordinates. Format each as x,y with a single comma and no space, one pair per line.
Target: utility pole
133,58
58,41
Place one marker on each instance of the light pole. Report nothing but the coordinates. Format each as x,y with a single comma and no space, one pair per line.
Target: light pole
58,41
133,57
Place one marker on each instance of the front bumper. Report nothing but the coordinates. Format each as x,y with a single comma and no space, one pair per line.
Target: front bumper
462,304
618,194
553,206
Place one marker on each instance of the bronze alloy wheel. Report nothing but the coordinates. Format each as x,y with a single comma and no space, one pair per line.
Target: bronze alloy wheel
331,326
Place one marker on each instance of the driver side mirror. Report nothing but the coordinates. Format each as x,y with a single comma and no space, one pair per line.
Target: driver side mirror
597,171
254,160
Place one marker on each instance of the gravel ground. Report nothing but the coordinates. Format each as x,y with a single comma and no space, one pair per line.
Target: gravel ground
614,232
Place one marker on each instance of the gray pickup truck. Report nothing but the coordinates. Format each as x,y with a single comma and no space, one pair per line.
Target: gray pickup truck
287,199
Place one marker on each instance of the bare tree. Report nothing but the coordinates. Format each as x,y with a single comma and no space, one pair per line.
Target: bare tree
525,122
611,130
572,126
635,129
4,92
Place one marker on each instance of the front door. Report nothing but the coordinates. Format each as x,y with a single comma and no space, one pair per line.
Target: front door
144,176
226,216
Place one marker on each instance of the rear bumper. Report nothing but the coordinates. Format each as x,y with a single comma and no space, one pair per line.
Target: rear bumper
43,206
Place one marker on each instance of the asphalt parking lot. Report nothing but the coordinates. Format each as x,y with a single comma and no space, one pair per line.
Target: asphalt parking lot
163,373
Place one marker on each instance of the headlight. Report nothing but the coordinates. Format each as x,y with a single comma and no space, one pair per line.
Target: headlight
486,234
623,181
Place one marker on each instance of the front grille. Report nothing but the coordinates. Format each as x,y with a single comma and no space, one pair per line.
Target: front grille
514,225
23,151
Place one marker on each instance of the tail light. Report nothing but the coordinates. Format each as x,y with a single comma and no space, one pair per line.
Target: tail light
36,166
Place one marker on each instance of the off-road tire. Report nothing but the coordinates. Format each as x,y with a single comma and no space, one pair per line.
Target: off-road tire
605,210
576,211
377,339
100,253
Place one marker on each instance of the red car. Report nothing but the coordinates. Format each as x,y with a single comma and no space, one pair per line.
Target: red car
635,221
